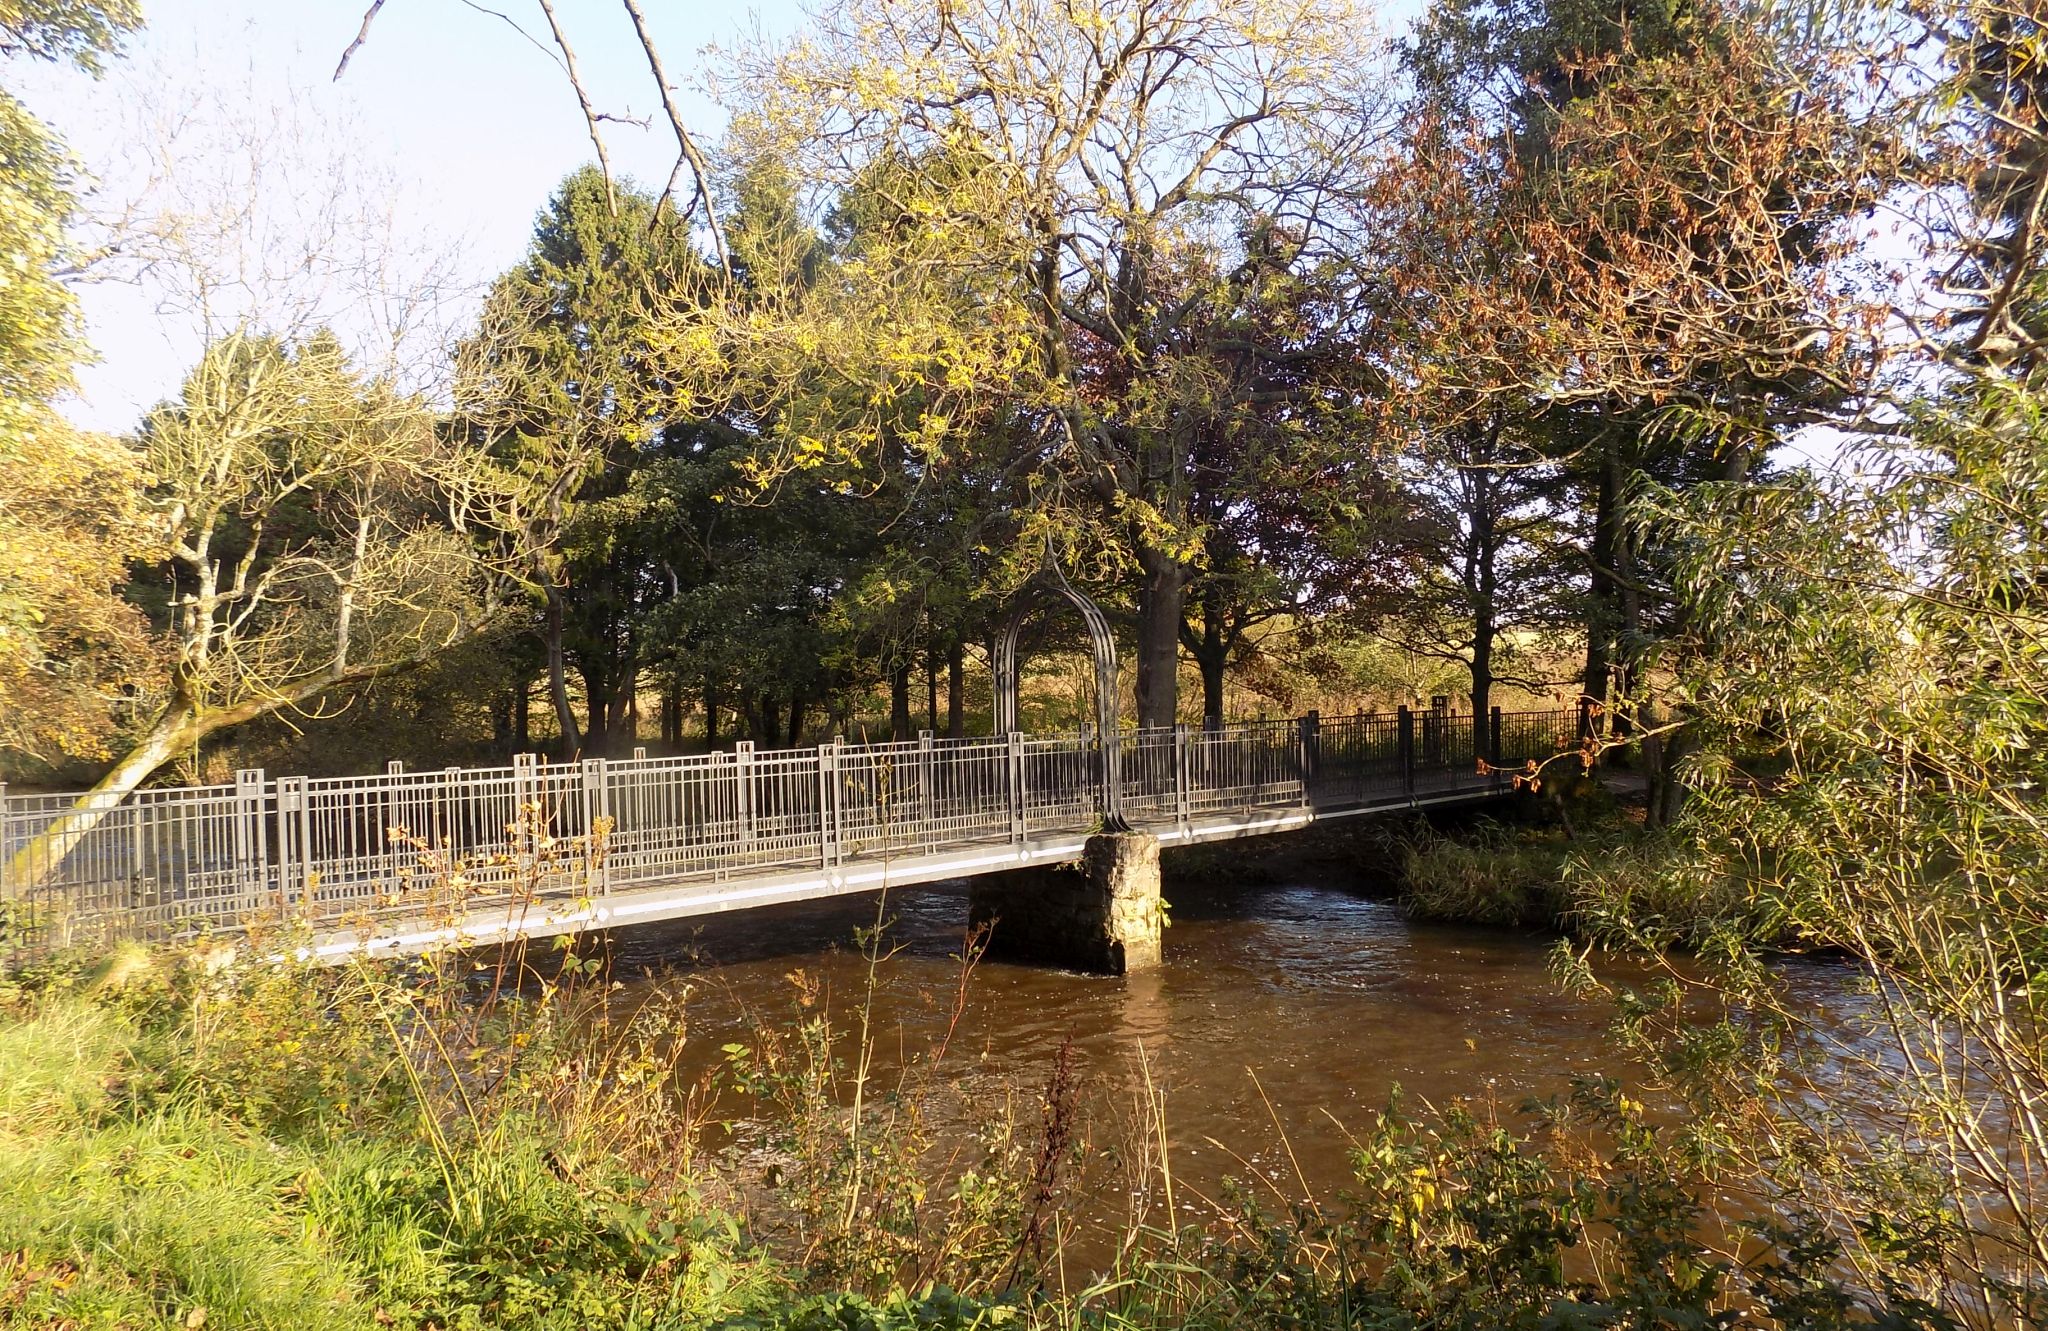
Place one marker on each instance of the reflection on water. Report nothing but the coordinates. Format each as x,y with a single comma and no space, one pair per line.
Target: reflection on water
1324,1000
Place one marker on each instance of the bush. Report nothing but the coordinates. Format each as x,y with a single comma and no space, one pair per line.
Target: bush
1492,875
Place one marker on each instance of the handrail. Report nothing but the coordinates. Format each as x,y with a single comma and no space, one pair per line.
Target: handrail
317,849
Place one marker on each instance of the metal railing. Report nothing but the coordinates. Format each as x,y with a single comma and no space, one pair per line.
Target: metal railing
320,850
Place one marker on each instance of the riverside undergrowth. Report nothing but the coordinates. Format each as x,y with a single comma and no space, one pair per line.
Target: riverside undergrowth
190,1140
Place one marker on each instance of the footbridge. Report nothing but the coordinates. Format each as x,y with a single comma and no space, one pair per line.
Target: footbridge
407,862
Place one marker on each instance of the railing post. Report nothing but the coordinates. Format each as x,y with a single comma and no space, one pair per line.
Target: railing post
1311,754
636,801
1493,757
1181,801
248,831
1406,733
597,806
6,847
451,816
927,768
828,803
136,859
525,790
743,766
294,873
392,771
523,781
1016,764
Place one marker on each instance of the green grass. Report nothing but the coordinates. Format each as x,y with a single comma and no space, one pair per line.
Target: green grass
132,1216
133,1195
1489,875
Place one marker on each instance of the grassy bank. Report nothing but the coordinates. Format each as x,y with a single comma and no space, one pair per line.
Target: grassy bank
186,1142
1582,865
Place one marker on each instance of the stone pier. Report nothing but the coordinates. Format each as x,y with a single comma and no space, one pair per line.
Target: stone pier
1102,915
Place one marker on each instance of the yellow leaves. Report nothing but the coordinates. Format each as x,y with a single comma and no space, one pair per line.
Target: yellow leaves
70,520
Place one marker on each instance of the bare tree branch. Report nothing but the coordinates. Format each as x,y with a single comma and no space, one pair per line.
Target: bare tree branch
685,145
362,35
590,115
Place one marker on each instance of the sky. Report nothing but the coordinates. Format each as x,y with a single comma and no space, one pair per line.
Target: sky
448,119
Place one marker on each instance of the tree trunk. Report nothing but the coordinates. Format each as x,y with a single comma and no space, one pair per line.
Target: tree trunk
1628,639
1601,612
522,717
1667,794
1482,687
1212,691
502,705
931,691
597,699
796,719
1162,592
710,714
899,700
558,677
956,692
1211,650
175,731
622,720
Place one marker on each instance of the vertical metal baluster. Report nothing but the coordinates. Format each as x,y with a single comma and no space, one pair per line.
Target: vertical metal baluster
596,808
927,805
1406,748
825,784
1018,813
743,767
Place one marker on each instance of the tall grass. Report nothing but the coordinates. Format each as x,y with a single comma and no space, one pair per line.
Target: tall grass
471,1160
190,1142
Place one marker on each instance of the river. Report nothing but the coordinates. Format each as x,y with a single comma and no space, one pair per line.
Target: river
1286,1013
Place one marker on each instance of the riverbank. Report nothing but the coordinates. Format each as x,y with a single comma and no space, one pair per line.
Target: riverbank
184,1142
1576,862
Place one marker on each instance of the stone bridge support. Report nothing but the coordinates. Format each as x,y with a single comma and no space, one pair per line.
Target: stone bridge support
1102,915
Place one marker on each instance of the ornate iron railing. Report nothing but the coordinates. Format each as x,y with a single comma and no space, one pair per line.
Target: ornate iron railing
317,850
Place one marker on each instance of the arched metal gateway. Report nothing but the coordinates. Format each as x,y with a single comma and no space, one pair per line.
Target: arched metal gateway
1049,584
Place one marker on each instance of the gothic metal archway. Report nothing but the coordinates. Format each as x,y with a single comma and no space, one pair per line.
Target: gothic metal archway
1048,584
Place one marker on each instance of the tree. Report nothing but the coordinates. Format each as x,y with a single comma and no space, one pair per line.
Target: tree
313,530
1647,227
1067,188
1287,484
1489,535
1865,674
70,646
559,383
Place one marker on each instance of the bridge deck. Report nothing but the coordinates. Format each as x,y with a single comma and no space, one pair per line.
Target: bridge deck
410,862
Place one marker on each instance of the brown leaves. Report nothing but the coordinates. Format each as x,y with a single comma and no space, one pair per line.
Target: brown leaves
1687,218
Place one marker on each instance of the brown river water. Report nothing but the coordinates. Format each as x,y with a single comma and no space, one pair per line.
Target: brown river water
1285,1015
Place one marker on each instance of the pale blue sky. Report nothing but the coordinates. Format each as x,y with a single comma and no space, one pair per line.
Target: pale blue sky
474,125
450,122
